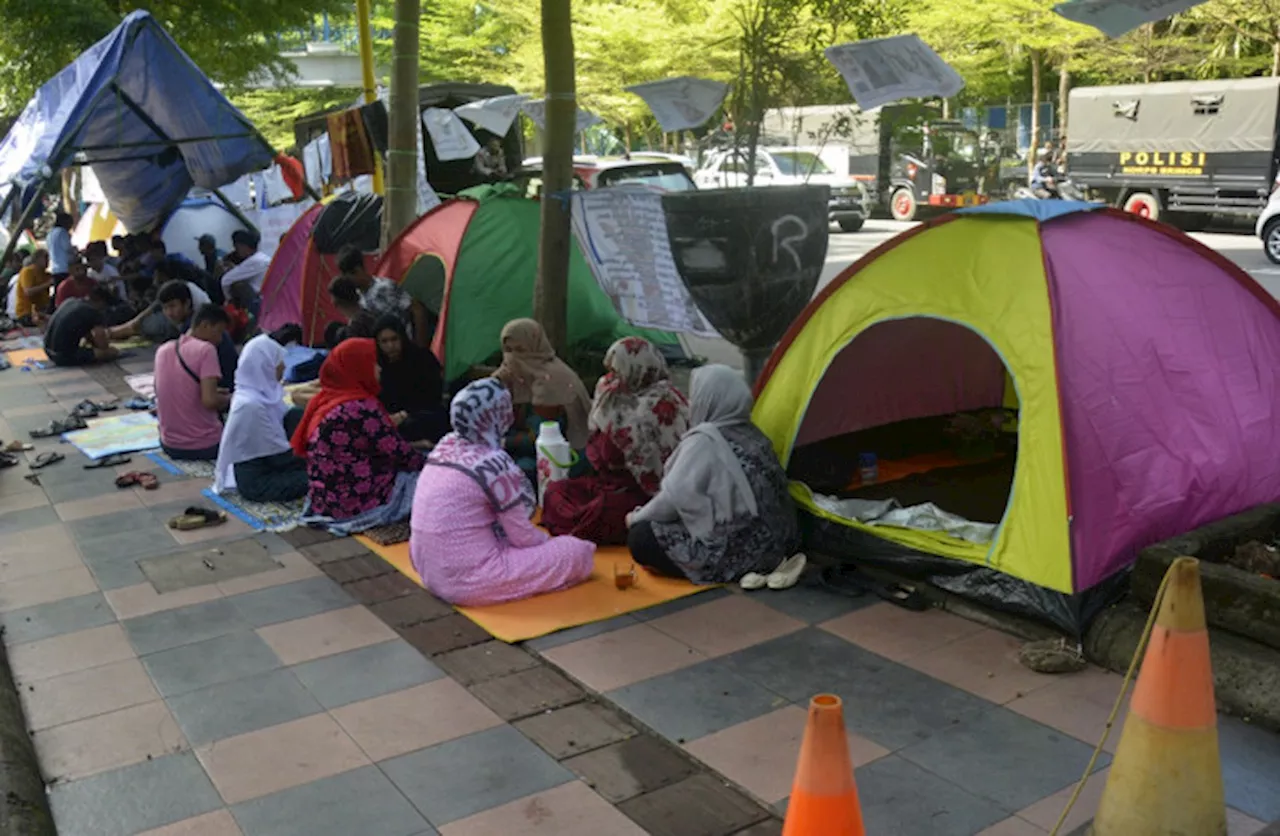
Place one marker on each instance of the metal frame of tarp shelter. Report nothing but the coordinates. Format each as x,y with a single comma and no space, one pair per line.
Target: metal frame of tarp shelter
73,117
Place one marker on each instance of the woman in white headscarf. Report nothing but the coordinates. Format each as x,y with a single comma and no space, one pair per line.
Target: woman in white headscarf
723,510
255,457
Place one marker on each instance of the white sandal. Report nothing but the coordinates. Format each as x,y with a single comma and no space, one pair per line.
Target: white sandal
753,581
788,572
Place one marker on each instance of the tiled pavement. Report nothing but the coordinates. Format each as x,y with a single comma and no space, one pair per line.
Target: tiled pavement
301,688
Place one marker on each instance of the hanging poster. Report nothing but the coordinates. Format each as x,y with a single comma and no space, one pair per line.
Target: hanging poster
1115,17
537,111
883,70
449,136
622,233
493,115
684,103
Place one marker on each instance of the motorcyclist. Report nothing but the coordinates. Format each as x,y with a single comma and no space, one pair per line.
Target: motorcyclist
1044,176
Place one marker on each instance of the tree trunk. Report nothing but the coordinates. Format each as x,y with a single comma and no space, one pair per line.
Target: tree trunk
1064,98
1275,56
401,206
551,289
1034,139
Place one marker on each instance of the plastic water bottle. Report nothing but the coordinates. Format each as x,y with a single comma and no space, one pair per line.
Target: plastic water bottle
555,456
868,469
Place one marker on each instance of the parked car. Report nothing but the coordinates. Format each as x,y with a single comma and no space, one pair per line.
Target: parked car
1268,226
850,203
596,173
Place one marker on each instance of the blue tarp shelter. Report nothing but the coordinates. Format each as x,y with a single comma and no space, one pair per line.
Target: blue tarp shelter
137,109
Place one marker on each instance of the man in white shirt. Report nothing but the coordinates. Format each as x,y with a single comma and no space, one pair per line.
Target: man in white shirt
58,243
102,271
248,274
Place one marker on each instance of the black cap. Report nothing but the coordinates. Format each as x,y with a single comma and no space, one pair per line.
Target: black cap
244,236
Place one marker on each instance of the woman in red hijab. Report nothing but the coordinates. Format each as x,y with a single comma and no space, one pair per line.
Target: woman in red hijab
362,473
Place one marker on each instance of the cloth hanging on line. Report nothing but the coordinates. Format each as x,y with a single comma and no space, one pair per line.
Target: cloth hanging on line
374,116
349,142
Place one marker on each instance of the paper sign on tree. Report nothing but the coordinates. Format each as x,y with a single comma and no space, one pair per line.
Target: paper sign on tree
450,137
883,70
684,103
1115,17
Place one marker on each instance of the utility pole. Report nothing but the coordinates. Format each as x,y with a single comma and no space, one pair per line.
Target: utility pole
551,289
370,82
401,206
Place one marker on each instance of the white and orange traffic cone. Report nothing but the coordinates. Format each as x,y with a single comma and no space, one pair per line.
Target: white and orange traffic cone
824,798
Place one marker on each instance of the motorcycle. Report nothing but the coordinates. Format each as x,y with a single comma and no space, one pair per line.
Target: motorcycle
1065,188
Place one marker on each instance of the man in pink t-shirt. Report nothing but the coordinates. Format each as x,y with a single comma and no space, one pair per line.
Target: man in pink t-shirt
188,400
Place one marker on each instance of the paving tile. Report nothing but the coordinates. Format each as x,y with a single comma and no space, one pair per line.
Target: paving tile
463,777
899,798
703,628
1238,824
69,493
293,567
142,599
28,561
108,741
217,823
576,729
810,601
574,634
232,528
242,706
321,635
1005,757
896,633
113,558
760,755
568,810
527,692
1077,704
290,601
334,549
621,657
382,588
17,521
45,588
46,539
184,625
697,806
196,567
771,827
693,702
1045,812
679,604
88,693
486,661
357,568
1250,768
444,634
56,618
883,701
409,610
983,663
360,801
415,718
93,506
125,801
365,673
191,667
280,757
188,491
23,501
304,536
70,652
92,528
635,766
1013,826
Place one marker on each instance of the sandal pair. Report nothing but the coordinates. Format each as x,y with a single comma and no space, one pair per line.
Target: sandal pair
148,481
197,517
55,428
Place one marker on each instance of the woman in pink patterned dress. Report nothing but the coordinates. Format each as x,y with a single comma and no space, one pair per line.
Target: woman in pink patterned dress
472,541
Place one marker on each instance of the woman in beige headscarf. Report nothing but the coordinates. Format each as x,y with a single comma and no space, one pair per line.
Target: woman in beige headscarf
545,385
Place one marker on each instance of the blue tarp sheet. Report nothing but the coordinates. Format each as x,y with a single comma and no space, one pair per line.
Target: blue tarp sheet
83,114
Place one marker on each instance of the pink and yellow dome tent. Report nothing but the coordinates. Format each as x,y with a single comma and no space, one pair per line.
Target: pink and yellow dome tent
1143,366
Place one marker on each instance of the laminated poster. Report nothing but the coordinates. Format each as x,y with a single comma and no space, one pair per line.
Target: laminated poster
449,136
684,103
884,70
494,115
1115,17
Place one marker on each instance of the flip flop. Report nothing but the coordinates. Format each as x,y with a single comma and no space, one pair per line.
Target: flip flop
8,460
113,460
138,404
85,409
197,517
148,481
47,458
128,480
56,428
17,446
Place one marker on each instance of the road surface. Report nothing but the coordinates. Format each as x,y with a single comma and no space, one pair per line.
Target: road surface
846,248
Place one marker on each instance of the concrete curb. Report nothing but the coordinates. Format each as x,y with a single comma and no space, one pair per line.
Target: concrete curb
25,811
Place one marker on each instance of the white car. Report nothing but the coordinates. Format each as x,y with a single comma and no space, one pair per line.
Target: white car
850,203
1268,227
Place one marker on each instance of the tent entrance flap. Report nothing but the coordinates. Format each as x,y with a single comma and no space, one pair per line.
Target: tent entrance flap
907,430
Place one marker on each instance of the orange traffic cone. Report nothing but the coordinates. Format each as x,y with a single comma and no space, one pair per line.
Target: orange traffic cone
824,799
1167,777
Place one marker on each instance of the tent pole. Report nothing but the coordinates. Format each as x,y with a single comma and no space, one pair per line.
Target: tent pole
4,207
235,210
25,218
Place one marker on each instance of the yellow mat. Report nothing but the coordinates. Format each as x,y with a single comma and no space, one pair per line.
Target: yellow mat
596,600
17,358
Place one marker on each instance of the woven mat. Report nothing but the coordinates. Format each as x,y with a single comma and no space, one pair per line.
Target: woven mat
260,516
196,470
388,535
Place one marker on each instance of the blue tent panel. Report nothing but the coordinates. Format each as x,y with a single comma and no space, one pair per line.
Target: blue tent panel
1041,210
143,114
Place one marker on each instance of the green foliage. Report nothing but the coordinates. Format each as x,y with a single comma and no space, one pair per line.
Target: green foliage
275,110
231,40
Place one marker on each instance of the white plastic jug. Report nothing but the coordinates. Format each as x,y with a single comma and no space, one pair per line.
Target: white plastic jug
555,456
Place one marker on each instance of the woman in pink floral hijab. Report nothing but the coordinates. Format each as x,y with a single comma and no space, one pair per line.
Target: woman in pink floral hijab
636,421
